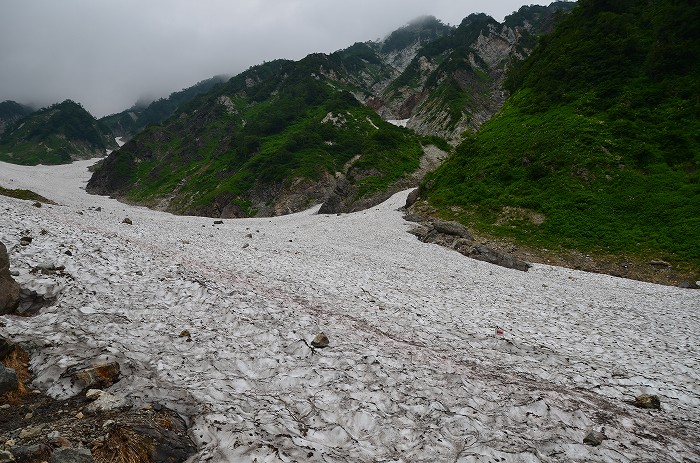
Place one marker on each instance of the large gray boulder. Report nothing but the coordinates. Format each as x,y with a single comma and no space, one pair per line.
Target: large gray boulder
8,379
9,289
493,256
452,228
72,455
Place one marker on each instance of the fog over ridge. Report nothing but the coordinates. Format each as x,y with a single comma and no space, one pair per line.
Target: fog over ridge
108,54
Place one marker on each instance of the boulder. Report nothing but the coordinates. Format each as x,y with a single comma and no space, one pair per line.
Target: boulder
6,347
107,402
647,401
332,205
9,289
32,431
486,254
8,380
412,198
452,228
594,438
411,217
37,452
320,341
6,457
31,302
127,221
99,376
71,455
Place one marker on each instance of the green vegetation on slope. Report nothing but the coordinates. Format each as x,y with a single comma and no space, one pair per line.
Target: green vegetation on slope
24,194
129,122
54,135
10,112
256,135
601,138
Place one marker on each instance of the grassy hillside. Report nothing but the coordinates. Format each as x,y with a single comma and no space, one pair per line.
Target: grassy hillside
54,135
598,148
133,120
260,134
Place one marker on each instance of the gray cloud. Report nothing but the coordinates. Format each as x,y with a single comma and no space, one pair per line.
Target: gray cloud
106,54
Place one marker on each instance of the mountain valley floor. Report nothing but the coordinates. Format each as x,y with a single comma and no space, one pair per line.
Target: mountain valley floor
415,369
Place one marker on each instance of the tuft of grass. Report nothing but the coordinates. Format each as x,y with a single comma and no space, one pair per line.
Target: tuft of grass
24,194
123,445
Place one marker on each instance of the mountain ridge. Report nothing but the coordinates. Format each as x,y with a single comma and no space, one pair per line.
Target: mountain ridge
58,134
296,151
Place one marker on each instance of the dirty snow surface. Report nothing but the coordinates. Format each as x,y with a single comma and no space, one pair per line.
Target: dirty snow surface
414,372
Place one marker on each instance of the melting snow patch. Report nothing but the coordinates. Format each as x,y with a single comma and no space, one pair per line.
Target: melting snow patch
414,370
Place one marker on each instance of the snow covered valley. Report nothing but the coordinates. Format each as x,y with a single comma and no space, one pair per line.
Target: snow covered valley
414,371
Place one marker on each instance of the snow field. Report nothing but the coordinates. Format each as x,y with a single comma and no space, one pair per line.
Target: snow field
414,371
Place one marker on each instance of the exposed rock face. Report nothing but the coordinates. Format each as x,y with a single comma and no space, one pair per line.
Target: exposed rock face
343,196
487,49
452,228
456,236
9,289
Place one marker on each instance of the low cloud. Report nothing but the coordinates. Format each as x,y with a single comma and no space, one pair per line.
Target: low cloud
108,54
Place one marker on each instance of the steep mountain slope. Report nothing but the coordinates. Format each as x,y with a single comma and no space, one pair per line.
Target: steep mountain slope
268,142
285,135
127,123
11,112
55,135
598,148
455,83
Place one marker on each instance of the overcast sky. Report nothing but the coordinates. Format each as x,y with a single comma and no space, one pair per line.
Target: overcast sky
106,54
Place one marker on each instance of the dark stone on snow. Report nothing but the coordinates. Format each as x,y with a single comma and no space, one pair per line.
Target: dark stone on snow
31,302
410,217
412,197
452,228
594,438
486,254
647,401
320,341
98,376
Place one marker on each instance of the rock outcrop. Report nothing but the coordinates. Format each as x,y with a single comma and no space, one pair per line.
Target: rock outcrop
456,236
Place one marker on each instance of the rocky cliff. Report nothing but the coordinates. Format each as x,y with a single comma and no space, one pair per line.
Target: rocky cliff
455,83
